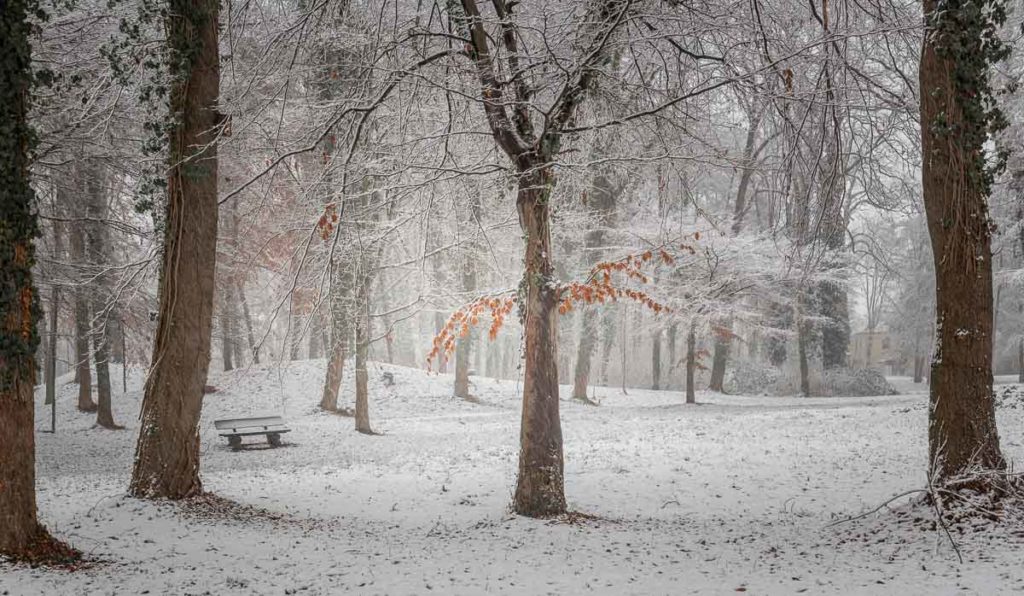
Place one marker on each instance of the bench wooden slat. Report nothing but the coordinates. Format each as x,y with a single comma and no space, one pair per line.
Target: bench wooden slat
236,423
249,433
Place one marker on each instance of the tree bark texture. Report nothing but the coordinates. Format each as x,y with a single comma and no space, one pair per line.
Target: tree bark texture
540,485
250,334
802,339
97,242
962,433
720,357
656,361
167,456
19,527
83,320
362,355
691,364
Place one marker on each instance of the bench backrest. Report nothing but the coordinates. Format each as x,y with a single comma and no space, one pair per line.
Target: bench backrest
237,423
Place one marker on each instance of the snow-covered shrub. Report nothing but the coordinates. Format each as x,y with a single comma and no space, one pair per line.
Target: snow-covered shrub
854,382
753,378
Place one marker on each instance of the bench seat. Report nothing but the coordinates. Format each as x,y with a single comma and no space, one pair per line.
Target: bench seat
236,428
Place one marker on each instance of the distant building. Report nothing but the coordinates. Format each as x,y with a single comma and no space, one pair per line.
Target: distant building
875,349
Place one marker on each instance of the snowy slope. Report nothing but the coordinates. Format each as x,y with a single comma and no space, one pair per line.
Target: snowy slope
734,494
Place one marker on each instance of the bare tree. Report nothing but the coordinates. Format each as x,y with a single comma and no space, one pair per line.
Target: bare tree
532,149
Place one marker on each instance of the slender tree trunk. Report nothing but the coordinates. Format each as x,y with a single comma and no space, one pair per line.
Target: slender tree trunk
581,376
540,485
77,249
362,354
1020,360
780,316
962,433
98,248
623,346
83,371
51,347
656,361
439,323
918,368
314,336
104,411
607,342
721,356
672,362
339,337
462,359
226,330
691,363
463,347
335,370
601,204
802,339
167,457
250,335
294,331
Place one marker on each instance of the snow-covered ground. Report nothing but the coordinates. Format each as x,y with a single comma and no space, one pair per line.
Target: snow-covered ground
735,494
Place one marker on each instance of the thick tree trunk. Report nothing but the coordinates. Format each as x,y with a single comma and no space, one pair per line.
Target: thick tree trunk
962,434
167,457
19,527
540,485
691,364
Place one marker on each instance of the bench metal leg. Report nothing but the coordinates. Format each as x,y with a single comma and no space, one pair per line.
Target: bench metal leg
235,442
274,439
